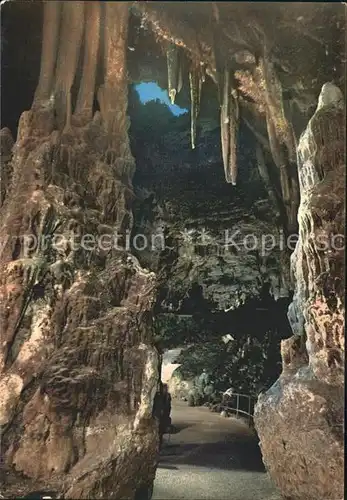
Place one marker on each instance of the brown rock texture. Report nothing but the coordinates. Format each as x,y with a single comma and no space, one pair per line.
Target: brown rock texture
300,419
78,371
6,145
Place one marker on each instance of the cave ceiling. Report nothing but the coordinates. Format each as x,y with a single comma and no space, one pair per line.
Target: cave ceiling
267,62
260,63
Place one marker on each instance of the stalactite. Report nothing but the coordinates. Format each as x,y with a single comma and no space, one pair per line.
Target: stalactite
224,124
274,102
182,35
69,48
230,117
275,145
264,174
215,12
217,56
112,95
195,82
258,135
288,188
234,117
91,48
68,111
180,76
281,137
279,158
116,32
173,71
51,24
101,100
295,196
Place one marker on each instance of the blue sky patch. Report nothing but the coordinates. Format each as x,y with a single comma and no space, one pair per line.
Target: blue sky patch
150,91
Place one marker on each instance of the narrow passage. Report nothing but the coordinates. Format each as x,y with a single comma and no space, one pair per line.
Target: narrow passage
211,457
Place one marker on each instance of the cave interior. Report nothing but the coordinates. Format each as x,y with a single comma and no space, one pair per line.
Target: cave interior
220,154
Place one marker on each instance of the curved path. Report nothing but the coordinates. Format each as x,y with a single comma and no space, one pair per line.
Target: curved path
212,458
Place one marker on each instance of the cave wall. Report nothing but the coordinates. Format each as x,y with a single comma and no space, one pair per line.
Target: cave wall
78,370
222,239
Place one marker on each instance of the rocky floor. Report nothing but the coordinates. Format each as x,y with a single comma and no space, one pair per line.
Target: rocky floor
211,457
208,457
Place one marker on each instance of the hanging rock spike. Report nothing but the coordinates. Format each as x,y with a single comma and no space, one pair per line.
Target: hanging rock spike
195,82
229,129
52,14
224,124
233,134
180,76
90,60
172,56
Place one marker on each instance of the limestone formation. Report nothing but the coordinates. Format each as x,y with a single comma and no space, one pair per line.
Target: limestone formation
303,448
6,145
174,72
195,82
78,371
233,250
230,116
78,366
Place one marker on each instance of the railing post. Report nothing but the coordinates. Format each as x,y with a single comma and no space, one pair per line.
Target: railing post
237,405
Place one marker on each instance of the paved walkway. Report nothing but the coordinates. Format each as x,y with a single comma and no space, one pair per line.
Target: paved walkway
212,458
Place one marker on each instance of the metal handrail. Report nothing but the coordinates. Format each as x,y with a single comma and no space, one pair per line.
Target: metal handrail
225,406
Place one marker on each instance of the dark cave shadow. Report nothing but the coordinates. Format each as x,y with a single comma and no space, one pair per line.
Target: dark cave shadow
226,455
37,495
167,467
177,428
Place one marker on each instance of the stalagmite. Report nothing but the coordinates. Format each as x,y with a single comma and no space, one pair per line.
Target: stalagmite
195,82
51,23
85,98
173,71
69,49
229,129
